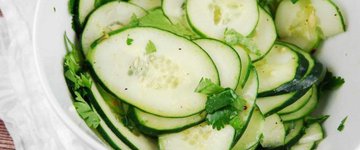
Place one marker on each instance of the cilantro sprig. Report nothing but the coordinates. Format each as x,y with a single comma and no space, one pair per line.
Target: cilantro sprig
80,84
223,105
234,38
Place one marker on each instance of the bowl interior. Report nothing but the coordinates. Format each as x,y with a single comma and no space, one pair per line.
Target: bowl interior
341,54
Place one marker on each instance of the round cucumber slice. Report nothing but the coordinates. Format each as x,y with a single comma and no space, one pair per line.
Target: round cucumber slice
107,18
157,75
212,17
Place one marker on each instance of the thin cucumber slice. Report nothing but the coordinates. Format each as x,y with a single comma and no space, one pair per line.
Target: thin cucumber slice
84,9
245,66
115,125
303,111
202,136
273,132
155,125
272,104
109,137
306,146
146,4
313,133
211,17
264,35
329,16
249,93
160,68
253,132
298,104
107,18
298,26
226,60
280,66
295,131
174,10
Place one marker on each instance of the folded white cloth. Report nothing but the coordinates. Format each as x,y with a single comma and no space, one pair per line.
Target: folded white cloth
23,105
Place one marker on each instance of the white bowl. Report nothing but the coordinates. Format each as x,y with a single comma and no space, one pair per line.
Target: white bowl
341,54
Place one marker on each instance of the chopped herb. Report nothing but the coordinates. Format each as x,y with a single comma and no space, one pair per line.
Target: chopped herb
206,86
223,105
150,47
134,21
85,111
233,38
342,124
80,84
71,5
129,41
331,82
54,9
320,119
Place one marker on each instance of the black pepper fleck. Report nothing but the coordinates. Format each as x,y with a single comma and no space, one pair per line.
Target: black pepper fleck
126,89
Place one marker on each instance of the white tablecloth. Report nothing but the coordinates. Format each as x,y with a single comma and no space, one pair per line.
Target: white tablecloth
23,106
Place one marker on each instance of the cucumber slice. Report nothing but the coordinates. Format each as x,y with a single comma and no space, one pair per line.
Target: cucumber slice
107,18
84,9
295,131
298,104
303,111
166,78
298,26
146,4
273,132
253,132
201,136
109,137
329,16
264,35
306,146
280,66
313,133
211,17
272,104
226,60
155,125
249,93
174,10
245,66
116,129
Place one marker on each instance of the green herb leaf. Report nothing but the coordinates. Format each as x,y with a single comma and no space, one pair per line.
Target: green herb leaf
85,112
150,47
310,120
206,86
71,5
220,118
134,21
85,80
342,124
233,38
129,41
220,100
331,82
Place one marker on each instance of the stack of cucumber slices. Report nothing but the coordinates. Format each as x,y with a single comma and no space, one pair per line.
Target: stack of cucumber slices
143,59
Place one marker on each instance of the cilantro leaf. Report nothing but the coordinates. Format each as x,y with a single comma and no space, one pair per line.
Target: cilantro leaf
85,112
342,124
150,47
320,119
129,41
220,100
220,118
331,82
206,86
233,37
134,21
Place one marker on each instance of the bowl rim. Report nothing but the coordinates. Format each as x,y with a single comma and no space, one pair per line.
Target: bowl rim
50,97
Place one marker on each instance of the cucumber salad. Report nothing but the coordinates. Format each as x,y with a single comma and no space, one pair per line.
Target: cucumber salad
201,74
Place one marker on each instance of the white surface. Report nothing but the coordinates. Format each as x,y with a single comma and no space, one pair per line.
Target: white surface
23,104
341,54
